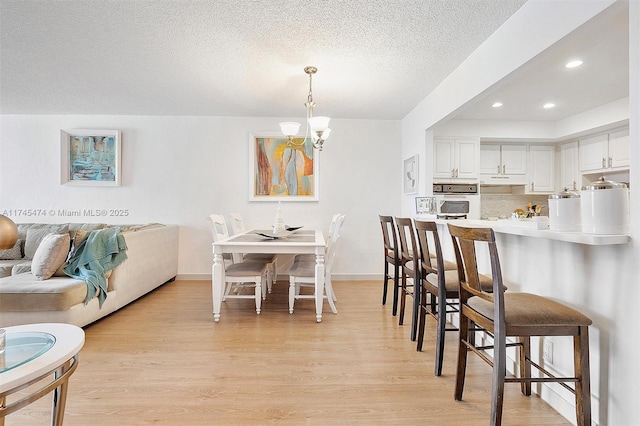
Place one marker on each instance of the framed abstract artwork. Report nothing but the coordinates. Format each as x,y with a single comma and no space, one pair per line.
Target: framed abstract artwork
280,170
410,175
90,157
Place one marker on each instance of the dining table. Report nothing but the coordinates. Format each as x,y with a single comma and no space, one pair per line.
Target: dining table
300,241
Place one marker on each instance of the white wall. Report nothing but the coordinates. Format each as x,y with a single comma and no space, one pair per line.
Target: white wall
600,281
181,169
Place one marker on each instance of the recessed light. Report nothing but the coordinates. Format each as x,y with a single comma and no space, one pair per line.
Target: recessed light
497,104
548,105
574,63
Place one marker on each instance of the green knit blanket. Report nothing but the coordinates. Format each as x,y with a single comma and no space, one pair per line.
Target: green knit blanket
101,251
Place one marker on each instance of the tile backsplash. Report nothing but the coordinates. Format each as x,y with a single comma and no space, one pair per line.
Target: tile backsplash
502,204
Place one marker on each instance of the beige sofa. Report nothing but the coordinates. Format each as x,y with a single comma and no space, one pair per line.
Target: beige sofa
152,260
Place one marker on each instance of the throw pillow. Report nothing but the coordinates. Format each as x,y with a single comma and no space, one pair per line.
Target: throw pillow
13,253
34,236
50,255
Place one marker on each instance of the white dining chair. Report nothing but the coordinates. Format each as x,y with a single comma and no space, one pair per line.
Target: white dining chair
302,272
336,220
238,227
239,275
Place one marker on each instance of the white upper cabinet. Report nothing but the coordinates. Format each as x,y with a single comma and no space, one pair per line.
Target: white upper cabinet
605,152
503,164
619,149
490,159
541,169
455,159
514,159
569,167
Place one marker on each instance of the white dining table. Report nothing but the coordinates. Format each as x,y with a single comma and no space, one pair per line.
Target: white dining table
302,241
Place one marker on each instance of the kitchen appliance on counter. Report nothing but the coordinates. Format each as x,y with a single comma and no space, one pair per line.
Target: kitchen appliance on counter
604,207
564,212
457,200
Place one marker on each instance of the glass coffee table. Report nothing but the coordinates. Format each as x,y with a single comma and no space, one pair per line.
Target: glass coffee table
46,354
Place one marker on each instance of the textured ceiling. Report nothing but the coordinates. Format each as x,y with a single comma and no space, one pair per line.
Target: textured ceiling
376,58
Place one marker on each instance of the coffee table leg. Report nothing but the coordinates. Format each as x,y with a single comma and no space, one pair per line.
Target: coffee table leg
60,394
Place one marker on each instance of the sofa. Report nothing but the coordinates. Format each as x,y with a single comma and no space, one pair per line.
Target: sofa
27,296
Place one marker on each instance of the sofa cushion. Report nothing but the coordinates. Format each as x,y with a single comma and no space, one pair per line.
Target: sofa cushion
50,255
24,227
36,234
5,270
13,253
25,292
21,268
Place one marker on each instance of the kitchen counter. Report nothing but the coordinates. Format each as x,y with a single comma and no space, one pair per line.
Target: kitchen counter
515,228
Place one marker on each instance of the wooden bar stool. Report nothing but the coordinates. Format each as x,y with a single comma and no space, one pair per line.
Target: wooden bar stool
410,266
391,257
440,287
520,315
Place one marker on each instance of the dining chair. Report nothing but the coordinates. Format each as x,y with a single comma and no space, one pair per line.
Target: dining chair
410,268
513,314
302,272
336,221
238,227
239,275
391,258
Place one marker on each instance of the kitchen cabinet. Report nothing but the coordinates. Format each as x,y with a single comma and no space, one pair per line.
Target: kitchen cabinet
541,169
570,177
455,159
609,151
503,164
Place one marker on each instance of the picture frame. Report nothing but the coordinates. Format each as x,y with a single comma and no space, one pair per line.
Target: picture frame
282,170
425,205
90,157
410,175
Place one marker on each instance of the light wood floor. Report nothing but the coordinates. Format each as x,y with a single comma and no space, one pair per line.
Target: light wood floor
163,360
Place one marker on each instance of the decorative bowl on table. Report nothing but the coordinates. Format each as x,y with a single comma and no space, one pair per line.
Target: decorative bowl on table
288,230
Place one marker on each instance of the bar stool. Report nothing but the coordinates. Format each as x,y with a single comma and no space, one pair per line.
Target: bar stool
439,287
391,257
410,261
520,315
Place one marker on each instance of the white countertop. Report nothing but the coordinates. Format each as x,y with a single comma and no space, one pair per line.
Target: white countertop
515,227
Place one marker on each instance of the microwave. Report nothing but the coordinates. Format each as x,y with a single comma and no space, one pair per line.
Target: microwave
458,205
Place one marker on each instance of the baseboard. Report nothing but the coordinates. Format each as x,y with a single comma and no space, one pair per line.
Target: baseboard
193,277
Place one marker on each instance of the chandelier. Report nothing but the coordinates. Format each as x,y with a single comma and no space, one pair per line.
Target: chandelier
317,127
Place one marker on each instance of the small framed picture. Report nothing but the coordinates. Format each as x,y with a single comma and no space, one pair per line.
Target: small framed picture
410,175
90,157
425,205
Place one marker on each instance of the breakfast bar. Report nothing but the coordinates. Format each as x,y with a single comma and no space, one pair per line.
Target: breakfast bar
583,271
527,228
